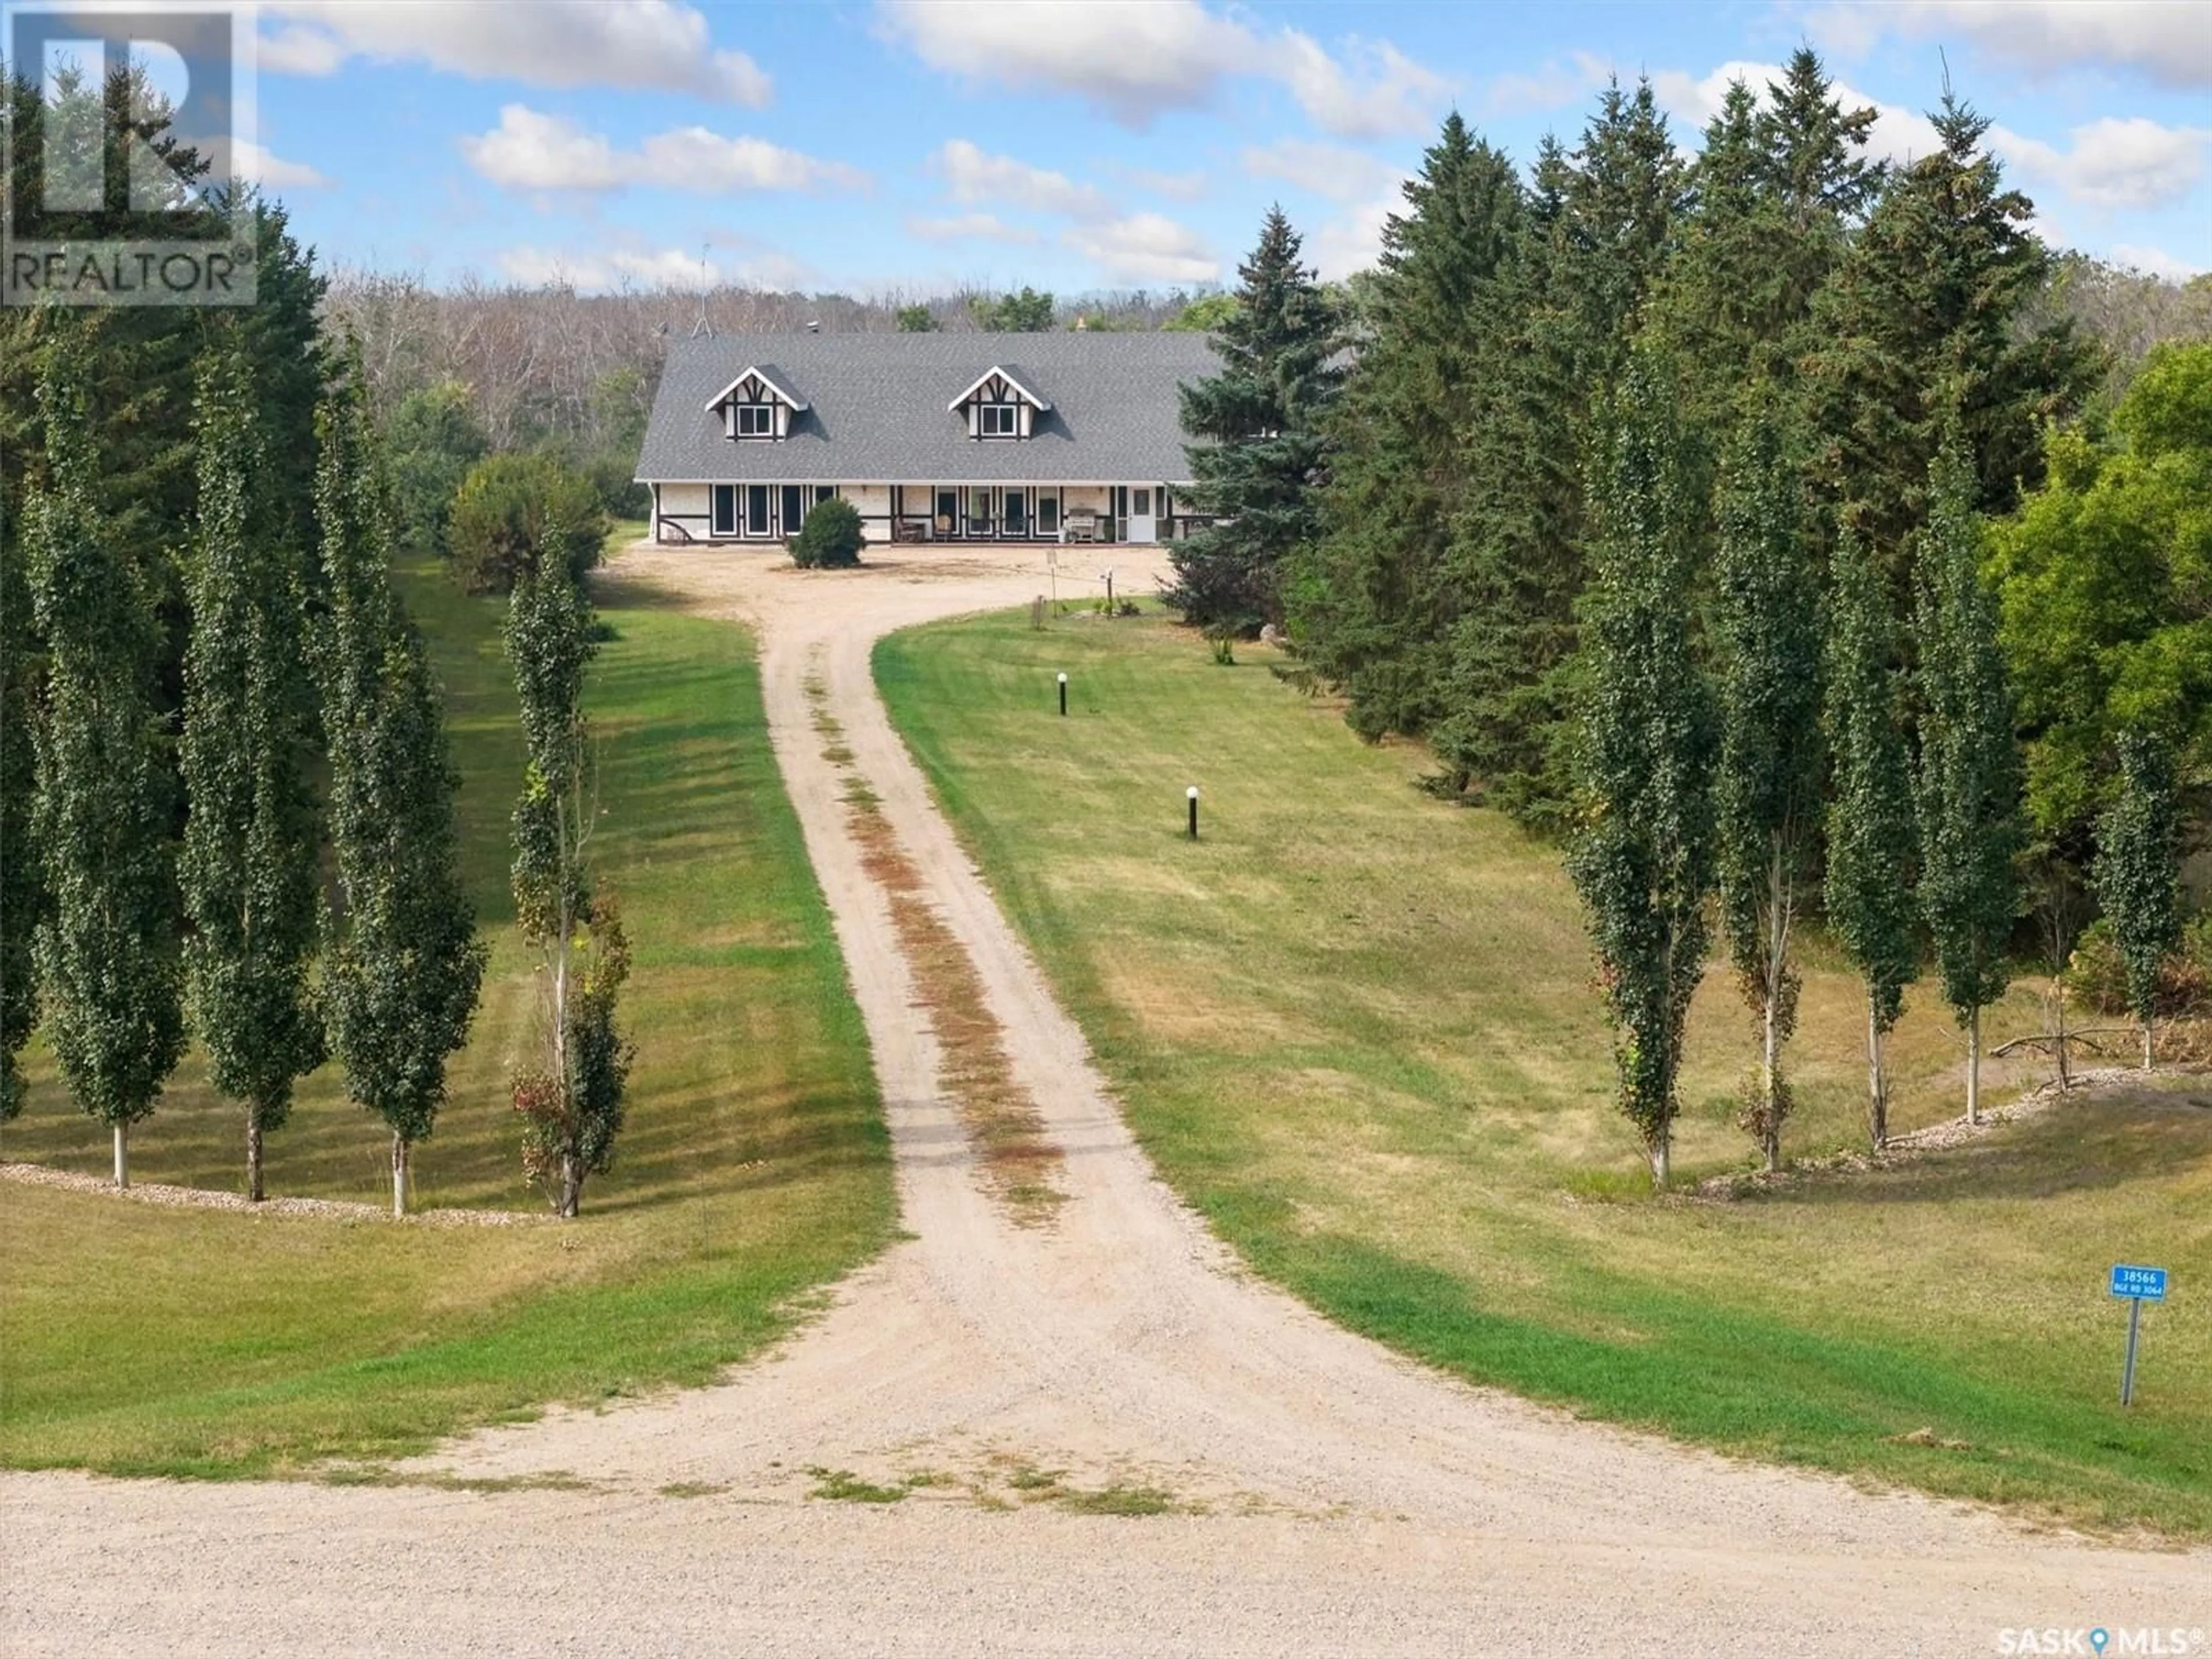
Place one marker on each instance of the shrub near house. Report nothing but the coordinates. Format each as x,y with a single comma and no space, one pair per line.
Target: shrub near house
830,539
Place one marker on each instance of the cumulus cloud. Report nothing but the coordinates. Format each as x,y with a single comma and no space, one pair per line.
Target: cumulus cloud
972,175
646,268
272,171
1330,170
531,150
1136,58
2167,40
1352,241
970,227
2154,262
1547,87
1145,248
2114,163
655,46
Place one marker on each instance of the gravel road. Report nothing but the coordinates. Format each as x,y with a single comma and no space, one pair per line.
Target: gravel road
1299,1489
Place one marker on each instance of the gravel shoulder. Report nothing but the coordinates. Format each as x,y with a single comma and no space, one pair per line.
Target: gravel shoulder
1104,1437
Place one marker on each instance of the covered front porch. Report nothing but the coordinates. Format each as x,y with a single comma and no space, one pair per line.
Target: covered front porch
1060,513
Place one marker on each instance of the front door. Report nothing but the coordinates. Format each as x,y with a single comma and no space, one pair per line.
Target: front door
1142,524
1014,518
724,521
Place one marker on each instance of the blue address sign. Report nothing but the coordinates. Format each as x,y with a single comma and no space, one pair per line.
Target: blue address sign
2142,1284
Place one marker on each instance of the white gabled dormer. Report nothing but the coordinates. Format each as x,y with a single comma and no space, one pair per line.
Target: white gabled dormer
758,404
999,406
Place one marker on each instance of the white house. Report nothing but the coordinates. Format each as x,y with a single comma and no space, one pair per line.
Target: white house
932,437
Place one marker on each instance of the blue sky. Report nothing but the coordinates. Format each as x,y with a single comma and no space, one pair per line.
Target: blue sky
1089,144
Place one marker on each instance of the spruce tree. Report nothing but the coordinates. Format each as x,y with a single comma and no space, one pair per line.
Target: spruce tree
1375,600
401,963
22,885
1767,794
1644,860
1260,448
573,1103
1968,794
2138,870
252,840
1872,843
103,812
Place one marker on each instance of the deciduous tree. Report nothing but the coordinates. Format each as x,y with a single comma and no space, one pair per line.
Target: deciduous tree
251,840
2138,872
22,885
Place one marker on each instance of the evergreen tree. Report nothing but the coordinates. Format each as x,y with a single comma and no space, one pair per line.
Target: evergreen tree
252,840
1871,838
2138,870
401,963
1260,449
22,885
1968,795
1922,324
1374,601
1768,790
572,1104
1643,861
102,815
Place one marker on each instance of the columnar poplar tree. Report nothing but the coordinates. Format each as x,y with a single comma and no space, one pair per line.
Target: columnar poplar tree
572,1104
1871,840
20,884
1969,783
2138,870
403,965
106,949
1643,861
1260,449
251,836
1767,794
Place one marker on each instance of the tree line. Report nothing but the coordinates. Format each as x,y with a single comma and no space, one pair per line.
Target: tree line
1756,525
229,805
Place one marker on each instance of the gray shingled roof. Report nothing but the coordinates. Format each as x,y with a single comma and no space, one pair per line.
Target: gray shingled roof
877,409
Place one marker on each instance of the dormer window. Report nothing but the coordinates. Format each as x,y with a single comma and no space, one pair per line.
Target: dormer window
1000,402
758,404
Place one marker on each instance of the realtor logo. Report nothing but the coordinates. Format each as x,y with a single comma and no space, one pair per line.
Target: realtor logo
128,139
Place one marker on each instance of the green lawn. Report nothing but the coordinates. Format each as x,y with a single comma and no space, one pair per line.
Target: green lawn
754,1167
1356,1028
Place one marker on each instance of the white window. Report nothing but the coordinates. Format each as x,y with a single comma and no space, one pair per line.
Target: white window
755,420
997,420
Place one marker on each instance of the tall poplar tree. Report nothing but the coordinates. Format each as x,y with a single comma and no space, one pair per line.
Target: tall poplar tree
252,840
20,882
1968,794
104,808
1260,447
1872,843
2138,872
1644,860
573,1103
401,963
1768,789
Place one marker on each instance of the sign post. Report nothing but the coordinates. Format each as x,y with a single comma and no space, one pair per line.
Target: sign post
2138,1285
1063,696
1191,795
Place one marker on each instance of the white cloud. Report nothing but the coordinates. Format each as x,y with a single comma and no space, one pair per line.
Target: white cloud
2168,40
1351,242
654,268
1330,170
1136,58
655,46
1548,86
1175,187
2114,163
531,150
1145,248
971,174
2154,262
970,227
273,172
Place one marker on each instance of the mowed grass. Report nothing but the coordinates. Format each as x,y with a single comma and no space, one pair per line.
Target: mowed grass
1356,1028
754,1166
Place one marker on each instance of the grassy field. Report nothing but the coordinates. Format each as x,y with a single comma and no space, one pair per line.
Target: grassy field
1356,1028
137,1339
